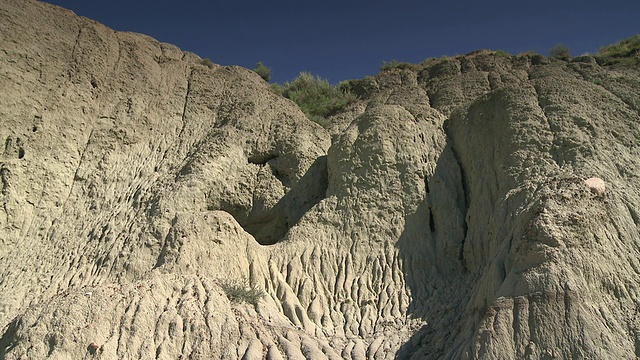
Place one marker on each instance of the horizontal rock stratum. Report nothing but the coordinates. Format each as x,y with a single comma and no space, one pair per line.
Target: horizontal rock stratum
157,207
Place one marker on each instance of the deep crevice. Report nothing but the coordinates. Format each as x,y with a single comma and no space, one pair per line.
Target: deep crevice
186,103
8,145
261,159
466,192
8,340
432,225
52,345
268,226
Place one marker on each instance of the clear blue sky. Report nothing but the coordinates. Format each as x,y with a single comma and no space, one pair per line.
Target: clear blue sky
346,39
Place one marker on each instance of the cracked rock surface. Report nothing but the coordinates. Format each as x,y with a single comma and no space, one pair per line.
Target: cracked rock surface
157,206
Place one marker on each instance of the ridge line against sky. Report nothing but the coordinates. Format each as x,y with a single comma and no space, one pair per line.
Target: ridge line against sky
341,40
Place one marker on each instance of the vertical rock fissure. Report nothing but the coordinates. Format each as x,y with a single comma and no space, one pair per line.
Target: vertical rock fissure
75,173
552,151
432,225
467,200
4,177
182,119
186,103
73,54
117,62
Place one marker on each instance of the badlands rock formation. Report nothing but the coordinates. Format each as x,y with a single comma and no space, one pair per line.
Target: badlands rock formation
149,200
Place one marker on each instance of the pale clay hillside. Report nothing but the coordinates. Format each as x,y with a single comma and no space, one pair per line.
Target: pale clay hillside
153,207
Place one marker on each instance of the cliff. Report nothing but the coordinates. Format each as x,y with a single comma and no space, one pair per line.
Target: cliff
157,207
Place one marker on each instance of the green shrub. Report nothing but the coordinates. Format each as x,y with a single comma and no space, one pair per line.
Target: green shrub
625,52
502,53
263,71
359,88
316,97
388,65
625,48
395,64
207,62
239,292
539,59
560,52
277,88
344,86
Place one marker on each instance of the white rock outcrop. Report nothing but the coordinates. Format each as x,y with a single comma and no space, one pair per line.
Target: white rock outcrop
596,185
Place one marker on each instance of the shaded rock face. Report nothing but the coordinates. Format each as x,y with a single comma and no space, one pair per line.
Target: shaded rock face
450,212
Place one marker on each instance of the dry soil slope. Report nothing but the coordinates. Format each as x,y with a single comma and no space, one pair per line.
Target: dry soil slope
443,215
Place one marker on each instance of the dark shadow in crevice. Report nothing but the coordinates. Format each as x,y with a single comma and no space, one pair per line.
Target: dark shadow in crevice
270,226
430,272
9,339
429,247
432,224
465,190
261,159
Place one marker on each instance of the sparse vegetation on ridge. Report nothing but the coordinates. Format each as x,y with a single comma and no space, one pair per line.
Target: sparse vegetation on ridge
315,96
318,99
262,70
395,64
625,52
560,52
207,62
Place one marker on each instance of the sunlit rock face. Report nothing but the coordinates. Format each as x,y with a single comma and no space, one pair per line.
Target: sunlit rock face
155,205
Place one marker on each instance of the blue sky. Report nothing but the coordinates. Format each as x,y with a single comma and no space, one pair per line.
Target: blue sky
341,40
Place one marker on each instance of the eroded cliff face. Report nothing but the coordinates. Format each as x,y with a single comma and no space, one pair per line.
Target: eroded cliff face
442,215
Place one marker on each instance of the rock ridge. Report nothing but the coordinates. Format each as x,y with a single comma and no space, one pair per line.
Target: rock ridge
450,212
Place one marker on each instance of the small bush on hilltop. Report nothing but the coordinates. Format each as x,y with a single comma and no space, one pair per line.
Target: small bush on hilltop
560,52
207,62
316,97
626,52
263,71
395,64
